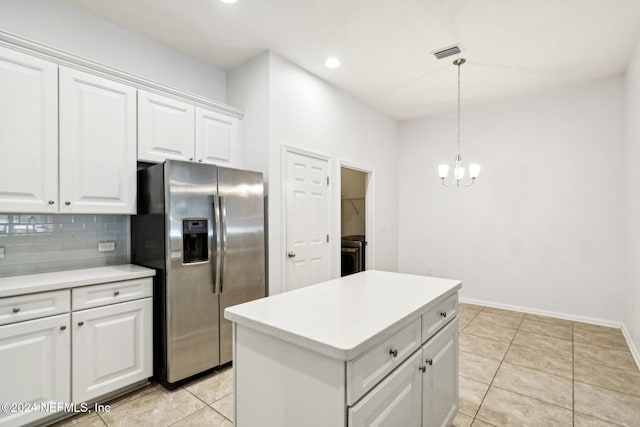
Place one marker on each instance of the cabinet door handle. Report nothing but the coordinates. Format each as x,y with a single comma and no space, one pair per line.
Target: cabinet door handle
443,313
80,323
51,202
16,310
429,362
67,203
190,159
116,293
200,160
422,368
63,327
393,352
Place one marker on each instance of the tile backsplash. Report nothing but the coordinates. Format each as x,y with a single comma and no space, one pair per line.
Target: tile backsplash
41,243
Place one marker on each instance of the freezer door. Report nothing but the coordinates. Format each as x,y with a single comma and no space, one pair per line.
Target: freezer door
243,252
192,299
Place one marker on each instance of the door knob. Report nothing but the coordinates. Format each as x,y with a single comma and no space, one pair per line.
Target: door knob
291,254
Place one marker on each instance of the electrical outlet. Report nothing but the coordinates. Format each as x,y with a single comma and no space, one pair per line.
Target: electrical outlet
1,252
106,246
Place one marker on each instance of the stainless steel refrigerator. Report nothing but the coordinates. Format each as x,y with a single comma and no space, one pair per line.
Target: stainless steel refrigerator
202,228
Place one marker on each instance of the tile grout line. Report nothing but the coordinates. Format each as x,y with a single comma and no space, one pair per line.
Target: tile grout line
210,404
573,363
496,372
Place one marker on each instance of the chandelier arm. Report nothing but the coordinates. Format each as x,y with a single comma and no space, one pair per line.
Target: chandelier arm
449,184
469,184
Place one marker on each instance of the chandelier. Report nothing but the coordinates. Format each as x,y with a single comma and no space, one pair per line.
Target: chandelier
458,168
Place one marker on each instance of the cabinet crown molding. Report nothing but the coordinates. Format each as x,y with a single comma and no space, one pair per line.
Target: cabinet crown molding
61,57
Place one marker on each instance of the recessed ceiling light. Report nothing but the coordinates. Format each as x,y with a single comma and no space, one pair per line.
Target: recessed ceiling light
229,1
332,62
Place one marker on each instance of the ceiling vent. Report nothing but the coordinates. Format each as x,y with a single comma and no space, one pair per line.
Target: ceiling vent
448,51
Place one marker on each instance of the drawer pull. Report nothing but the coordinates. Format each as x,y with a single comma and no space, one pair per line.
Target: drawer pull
422,368
16,310
62,328
393,352
80,323
116,293
443,314
429,362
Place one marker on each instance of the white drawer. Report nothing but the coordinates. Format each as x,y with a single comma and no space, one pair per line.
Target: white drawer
371,367
33,306
434,319
111,293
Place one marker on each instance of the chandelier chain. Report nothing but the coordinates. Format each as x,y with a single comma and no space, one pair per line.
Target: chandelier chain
459,108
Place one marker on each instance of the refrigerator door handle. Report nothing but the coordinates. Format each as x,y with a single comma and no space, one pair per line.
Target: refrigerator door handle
217,230
223,232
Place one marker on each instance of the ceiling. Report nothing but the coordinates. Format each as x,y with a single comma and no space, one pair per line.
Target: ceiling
512,47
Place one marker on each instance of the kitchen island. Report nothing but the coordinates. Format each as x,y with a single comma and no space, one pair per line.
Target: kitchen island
371,348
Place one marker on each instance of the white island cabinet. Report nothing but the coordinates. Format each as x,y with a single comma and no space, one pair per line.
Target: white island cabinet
373,348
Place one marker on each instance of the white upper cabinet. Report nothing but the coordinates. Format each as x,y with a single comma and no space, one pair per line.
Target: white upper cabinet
28,133
173,129
97,144
165,128
217,138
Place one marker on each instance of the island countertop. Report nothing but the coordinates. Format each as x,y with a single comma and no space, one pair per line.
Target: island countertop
341,318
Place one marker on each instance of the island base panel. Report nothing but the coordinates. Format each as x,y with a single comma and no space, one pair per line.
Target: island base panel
278,383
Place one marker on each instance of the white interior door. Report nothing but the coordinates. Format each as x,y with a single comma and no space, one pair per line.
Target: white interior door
307,220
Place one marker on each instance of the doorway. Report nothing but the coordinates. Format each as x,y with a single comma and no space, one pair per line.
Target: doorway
353,220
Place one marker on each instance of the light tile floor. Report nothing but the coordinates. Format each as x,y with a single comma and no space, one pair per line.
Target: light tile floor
516,370
207,401
520,369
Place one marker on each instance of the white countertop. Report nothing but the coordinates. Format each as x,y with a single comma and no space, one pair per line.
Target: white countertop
344,317
43,282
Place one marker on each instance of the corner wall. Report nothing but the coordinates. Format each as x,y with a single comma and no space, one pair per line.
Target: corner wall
632,180
306,112
311,114
544,226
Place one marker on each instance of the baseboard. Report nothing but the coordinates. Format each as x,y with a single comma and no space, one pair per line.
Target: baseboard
584,319
634,350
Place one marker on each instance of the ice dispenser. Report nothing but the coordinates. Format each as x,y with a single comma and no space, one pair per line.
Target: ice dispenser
194,240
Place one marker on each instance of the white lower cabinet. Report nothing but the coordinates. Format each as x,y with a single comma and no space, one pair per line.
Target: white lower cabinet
440,378
395,402
56,354
111,348
34,366
422,391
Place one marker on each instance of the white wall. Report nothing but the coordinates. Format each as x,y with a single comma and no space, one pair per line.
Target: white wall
544,226
309,113
248,89
632,179
66,27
